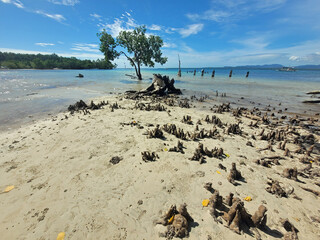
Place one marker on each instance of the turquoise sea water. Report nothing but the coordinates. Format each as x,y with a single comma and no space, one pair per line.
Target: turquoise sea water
27,94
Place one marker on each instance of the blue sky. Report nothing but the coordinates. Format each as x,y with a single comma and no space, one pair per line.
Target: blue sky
204,32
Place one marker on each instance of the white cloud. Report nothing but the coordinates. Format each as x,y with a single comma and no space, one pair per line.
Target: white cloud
86,47
155,27
294,58
169,45
57,17
127,23
94,15
217,16
65,2
258,42
17,3
191,29
44,44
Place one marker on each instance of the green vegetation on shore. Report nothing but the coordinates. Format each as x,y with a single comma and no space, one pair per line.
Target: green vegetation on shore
40,61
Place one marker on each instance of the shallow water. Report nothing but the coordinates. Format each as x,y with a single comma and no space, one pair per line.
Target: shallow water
27,94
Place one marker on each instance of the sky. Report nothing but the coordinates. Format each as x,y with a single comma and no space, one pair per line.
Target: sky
205,33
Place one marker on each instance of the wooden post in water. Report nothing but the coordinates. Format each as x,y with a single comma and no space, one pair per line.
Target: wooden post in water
230,74
179,71
247,74
213,72
202,72
194,72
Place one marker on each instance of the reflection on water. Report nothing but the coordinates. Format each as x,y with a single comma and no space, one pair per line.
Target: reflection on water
35,92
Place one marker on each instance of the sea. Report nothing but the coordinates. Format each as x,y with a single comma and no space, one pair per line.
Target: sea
27,95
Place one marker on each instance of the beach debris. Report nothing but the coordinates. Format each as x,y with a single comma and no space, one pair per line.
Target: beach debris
156,133
8,189
205,202
187,120
291,173
149,157
61,236
275,188
248,199
234,174
115,160
177,222
214,120
161,86
292,231
178,148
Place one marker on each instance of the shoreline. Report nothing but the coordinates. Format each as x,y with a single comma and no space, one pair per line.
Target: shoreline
235,101
65,180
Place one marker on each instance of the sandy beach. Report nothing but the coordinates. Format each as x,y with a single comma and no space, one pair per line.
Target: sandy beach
84,174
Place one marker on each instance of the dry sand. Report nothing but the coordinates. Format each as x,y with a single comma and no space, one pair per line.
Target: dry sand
64,181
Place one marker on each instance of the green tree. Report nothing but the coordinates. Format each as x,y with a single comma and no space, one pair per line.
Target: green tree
141,49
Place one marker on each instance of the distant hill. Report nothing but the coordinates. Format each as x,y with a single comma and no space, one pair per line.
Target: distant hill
265,66
276,66
308,67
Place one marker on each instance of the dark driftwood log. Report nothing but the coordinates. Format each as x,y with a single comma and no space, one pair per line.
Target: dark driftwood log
161,85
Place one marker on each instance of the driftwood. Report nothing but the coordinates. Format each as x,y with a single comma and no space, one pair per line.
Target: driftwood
161,86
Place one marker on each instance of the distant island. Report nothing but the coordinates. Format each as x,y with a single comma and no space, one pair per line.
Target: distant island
53,61
277,66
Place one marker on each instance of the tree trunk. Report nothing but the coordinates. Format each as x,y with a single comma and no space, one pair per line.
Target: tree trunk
139,72
161,85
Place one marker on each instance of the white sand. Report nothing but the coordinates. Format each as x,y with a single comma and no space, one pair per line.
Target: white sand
64,181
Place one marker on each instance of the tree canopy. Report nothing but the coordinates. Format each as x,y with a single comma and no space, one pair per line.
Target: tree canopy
39,61
141,49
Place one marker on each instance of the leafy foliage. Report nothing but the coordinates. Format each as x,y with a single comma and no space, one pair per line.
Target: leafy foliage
39,61
141,49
